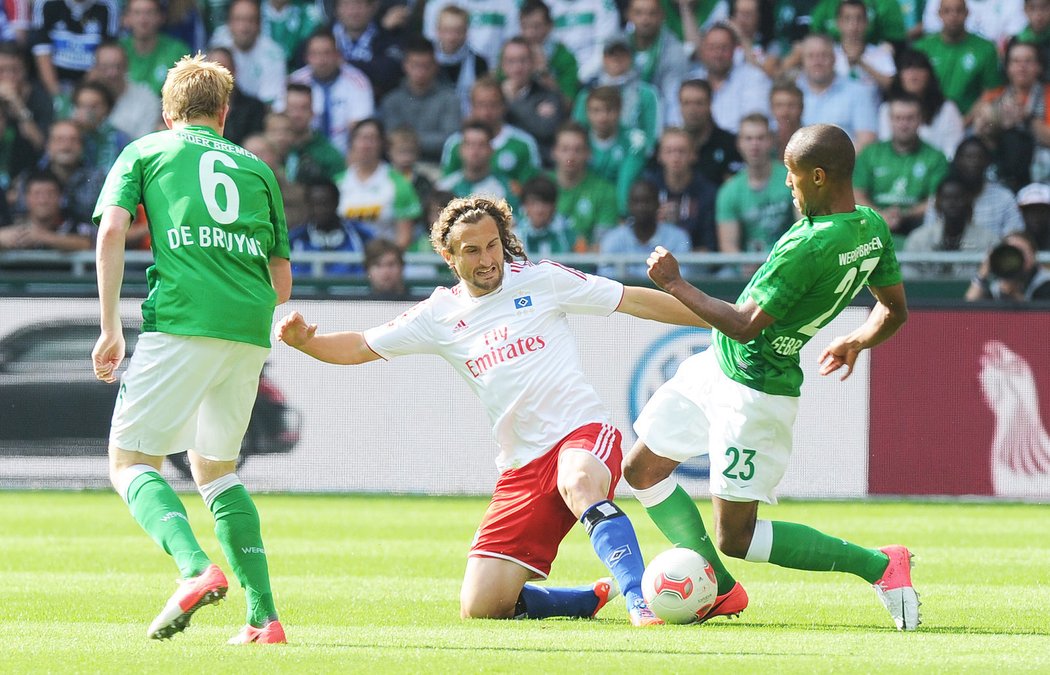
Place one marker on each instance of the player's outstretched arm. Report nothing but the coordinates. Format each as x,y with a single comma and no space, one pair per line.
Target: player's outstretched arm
648,303
739,322
886,318
347,348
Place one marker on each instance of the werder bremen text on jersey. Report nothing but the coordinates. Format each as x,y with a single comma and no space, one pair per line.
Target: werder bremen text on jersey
862,251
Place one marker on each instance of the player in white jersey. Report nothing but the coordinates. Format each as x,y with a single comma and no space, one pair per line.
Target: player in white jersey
503,327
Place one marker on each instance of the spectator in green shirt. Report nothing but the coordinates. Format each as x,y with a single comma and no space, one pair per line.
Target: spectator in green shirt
966,65
754,207
515,157
311,156
885,20
542,230
640,101
618,155
1037,32
555,64
150,52
289,23
585,199
899,176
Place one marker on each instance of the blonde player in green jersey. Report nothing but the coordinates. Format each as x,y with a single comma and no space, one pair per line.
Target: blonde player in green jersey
220,248
737,401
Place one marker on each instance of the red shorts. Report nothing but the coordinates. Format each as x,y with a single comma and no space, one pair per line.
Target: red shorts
527,517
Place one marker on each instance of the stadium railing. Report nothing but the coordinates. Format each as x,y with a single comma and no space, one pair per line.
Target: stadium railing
931,277
82,263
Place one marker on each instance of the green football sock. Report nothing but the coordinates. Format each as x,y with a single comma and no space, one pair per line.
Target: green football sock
238,530
803,548
680,521
160,512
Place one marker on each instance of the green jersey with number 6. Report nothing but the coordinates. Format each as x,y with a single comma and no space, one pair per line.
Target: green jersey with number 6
216,217
812,273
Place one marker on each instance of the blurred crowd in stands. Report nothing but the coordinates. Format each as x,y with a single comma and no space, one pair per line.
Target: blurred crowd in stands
609,126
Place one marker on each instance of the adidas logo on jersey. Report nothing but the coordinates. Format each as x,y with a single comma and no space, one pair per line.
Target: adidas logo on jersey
461,325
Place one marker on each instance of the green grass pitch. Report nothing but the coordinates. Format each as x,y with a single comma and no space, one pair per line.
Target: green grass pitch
370,584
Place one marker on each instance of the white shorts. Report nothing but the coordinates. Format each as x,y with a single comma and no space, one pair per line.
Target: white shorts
181,393
746,433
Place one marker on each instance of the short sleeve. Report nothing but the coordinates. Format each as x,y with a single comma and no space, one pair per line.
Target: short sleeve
862,172
579,293
606,215
123,186
406,202
890,22
888,271
410,333
991,76
450,154
280,248
725,204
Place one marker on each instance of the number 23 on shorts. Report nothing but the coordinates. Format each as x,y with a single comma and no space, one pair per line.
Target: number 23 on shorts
740,464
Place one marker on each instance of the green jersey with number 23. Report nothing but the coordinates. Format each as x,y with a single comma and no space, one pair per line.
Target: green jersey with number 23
813,272
216,217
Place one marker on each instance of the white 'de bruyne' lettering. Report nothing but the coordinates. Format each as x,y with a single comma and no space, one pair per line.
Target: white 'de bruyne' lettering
207,236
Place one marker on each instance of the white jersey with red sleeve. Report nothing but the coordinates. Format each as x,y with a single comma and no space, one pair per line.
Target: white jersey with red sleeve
515,349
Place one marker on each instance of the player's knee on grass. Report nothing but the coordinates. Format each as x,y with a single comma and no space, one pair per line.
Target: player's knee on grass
474,604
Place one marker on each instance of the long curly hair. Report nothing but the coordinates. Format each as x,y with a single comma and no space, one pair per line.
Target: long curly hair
470,210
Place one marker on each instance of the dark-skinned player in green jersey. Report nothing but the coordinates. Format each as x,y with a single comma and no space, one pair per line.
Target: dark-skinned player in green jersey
737,401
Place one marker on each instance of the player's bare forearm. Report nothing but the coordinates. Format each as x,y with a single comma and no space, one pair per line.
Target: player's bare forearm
739,322
742,323
881,325
886,318
345,348
843,351
648,303
281,278
109,264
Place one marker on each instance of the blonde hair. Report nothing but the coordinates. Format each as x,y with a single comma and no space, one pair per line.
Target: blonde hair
196,88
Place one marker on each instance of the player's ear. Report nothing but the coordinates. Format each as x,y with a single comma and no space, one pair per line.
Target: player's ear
222,117
819,176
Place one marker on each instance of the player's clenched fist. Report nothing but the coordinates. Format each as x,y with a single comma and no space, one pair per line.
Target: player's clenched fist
294,331
663,268
107,355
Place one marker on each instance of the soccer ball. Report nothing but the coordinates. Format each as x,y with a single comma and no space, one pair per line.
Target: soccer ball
679,585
